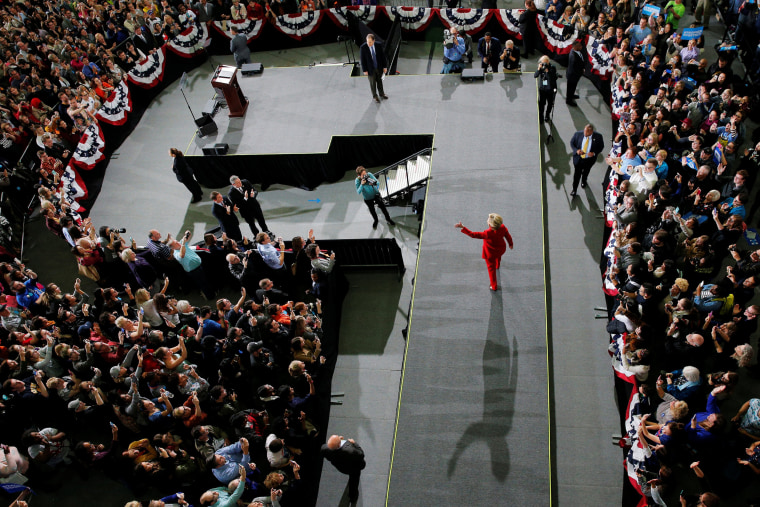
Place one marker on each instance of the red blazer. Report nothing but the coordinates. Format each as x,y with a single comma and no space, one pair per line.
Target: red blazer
494,245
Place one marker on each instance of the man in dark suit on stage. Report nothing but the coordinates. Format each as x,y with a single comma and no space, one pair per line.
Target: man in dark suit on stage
243,195
374,65
489,50
576,64
348,458
224,211
586,145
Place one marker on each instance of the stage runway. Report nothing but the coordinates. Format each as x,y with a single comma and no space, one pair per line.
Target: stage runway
469,426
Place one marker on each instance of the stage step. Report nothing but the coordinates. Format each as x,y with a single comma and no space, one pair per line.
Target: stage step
404,177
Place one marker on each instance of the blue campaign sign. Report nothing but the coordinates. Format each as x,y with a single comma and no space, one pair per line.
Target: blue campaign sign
717,155
692,33
650,9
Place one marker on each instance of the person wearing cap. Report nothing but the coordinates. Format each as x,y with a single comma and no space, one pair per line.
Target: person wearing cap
489,50
495,240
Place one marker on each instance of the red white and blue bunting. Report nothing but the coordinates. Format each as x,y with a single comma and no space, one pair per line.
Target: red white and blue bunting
73,187
114,110
251,28
365,13
191,41
414,19
300,24
509,19
89,151
599,55
556,37
469,19
150,70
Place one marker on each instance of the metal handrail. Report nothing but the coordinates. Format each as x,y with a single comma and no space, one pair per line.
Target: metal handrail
384,172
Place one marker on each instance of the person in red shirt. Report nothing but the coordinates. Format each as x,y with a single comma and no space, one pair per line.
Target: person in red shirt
495,241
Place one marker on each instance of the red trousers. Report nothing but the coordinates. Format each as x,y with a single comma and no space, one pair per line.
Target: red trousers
492,265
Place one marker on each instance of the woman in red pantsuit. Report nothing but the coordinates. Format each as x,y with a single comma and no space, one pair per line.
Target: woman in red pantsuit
495,241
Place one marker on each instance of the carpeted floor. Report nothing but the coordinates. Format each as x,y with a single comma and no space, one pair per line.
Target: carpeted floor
473,409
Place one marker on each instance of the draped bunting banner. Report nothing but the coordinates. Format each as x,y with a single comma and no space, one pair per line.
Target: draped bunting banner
558,38
640,452
89,151
73,187
599,55
251,28
300,24
469,19
509,21
191,41
115,108
616,348
150,70
618,99
611,257
414,19
365,13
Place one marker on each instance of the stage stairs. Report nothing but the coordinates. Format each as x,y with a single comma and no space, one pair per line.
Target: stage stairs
405,176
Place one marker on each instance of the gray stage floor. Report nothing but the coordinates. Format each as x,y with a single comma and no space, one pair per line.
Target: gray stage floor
474,407
140,192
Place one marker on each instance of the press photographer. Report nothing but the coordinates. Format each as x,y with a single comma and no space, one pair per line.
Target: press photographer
453,51
547,87
511,57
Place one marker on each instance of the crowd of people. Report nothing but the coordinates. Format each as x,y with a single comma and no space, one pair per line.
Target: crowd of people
120,361
682,169
218,401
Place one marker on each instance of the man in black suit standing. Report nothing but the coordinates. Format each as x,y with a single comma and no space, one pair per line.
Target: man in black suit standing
348,458
224,211
576,64
374,65
243,195
586,145
144,41
489,50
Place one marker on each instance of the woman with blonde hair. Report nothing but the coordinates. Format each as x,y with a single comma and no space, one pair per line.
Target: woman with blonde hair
495,240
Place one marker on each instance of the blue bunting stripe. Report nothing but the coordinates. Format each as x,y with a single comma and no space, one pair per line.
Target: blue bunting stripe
251,28
89,151
114,110
191,41
509,21
149,71
365,13
414,19
555,37
299,25
469,19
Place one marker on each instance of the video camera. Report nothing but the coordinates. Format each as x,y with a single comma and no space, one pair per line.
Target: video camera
449,39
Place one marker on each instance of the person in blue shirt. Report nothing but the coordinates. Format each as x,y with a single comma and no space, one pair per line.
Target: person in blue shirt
191,263
225,461
705,427
89,69
273,257
453,53
366,186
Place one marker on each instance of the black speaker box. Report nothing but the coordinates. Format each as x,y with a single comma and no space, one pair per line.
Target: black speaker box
206,125
249,69
473,75
217,149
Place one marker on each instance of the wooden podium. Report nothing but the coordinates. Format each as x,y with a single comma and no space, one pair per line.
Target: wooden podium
225,82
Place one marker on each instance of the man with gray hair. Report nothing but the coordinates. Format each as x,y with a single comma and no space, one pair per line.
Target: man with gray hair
243,195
